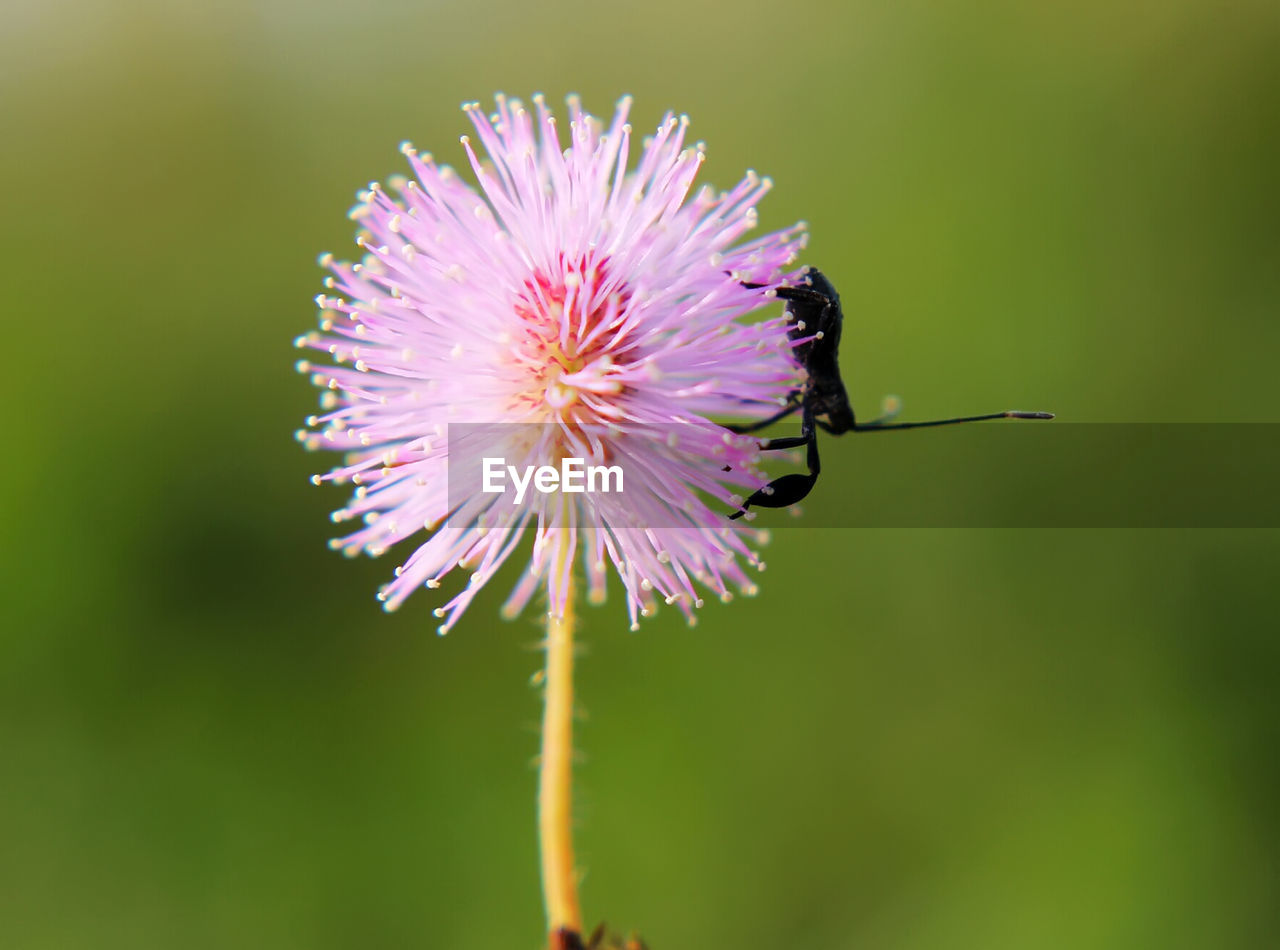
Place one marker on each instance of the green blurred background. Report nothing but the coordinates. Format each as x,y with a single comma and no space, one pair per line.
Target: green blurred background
210,735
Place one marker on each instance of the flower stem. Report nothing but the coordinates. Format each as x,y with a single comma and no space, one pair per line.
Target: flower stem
555,779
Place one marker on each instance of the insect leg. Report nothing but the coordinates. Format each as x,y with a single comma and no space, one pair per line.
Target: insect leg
800,294
789,489
804,295
765,423
786,442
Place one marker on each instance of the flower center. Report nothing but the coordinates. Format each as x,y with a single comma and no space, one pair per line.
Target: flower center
570,341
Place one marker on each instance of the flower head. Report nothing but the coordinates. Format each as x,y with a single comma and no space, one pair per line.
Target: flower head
593,308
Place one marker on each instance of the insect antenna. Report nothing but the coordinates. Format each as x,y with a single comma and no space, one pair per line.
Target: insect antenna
878,426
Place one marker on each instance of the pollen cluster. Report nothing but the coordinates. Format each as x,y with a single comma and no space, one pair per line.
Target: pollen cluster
573,342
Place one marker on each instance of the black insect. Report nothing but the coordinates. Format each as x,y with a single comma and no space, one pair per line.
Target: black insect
564,938
813,310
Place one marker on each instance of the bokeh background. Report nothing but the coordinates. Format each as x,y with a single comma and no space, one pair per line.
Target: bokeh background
210,735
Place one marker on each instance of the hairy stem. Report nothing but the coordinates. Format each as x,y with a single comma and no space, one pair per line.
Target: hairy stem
555,779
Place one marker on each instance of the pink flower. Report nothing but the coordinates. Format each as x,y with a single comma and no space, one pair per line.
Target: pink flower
594,309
